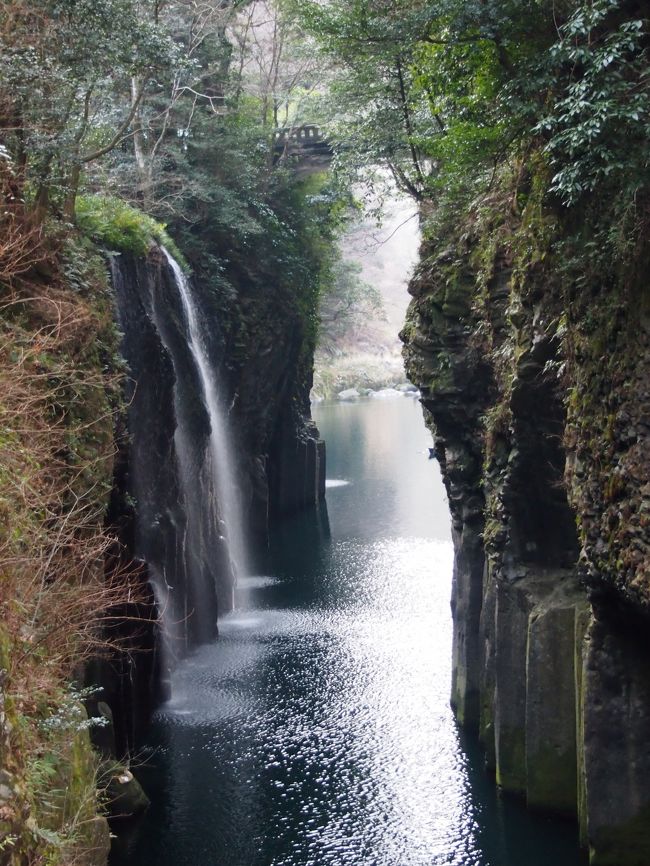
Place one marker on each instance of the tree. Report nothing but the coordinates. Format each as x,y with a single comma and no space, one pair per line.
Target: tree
598,123
346,300
421,84
64,68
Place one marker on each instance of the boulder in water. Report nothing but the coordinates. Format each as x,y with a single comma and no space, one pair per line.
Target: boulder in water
348,394
125,795
387,394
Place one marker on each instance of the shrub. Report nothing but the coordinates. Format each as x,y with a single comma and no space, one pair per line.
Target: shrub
116,225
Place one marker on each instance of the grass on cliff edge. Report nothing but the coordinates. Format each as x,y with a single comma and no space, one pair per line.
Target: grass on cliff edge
116,225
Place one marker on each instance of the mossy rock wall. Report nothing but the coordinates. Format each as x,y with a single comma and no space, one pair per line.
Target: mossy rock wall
535,394
616,695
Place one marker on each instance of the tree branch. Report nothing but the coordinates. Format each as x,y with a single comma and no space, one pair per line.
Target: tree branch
89,157
407,121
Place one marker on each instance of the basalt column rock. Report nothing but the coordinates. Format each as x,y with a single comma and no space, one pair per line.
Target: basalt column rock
616,708
177,530
515,595
268,357
539,418
455,385
553,655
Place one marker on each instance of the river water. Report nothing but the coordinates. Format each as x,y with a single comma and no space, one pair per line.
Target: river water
317,731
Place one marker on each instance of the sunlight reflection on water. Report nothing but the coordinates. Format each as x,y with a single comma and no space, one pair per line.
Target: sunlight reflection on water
317,730
341,709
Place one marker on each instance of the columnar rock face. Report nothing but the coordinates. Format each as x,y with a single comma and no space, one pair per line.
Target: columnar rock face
266,359
537,400
164,506
263,358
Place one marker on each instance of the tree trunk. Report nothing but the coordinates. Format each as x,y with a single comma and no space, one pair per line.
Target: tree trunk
71,194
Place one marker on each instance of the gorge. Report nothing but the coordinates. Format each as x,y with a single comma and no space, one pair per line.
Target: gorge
318,727
196,643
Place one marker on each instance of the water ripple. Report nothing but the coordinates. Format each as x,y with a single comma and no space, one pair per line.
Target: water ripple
332,720
317,730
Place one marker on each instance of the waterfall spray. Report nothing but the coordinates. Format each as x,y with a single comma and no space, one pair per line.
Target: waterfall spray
221,457
181,468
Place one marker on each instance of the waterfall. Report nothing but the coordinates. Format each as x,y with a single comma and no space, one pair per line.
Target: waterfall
181,470
221,455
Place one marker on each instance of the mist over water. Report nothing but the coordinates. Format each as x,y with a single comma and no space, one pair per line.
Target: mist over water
364,349
317,729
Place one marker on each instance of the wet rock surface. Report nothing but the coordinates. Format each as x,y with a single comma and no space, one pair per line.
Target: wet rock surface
537,417
125,797
163,508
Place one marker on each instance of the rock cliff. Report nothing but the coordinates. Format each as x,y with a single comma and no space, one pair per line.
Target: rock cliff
109,518
163,506
535,387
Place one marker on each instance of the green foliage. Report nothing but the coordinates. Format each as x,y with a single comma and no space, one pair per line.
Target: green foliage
599,123
345,300
60,779
372,106
455,96
65,67
116,225
304,224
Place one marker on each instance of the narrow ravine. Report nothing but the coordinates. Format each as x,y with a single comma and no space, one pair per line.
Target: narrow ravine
317,729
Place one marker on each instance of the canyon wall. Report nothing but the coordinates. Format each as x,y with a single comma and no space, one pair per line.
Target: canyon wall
536,390
113,538
165,505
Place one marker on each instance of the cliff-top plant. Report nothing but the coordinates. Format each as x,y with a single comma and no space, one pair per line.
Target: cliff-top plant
598,126
119,227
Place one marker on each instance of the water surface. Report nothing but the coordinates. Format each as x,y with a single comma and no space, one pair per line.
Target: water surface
317,731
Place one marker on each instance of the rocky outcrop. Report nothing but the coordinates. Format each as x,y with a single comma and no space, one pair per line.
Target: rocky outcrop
455,384
537,399
164,510
267,362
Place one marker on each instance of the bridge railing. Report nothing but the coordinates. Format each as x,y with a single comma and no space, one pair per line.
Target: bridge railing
300,134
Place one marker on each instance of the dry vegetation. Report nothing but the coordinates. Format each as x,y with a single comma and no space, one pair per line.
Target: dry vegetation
59,393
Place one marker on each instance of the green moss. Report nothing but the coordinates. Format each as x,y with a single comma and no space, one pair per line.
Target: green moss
81,800
458,295
497,423
511,759
486,729
551,780
583,618
443,382
116,225
437,320
614,488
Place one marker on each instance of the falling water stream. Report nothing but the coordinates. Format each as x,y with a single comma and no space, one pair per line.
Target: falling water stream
316,731
221,456
181,468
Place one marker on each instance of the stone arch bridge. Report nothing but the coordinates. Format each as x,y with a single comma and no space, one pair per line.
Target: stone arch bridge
304,148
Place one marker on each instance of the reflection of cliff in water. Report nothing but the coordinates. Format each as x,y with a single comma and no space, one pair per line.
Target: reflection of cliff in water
504,826
312,527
